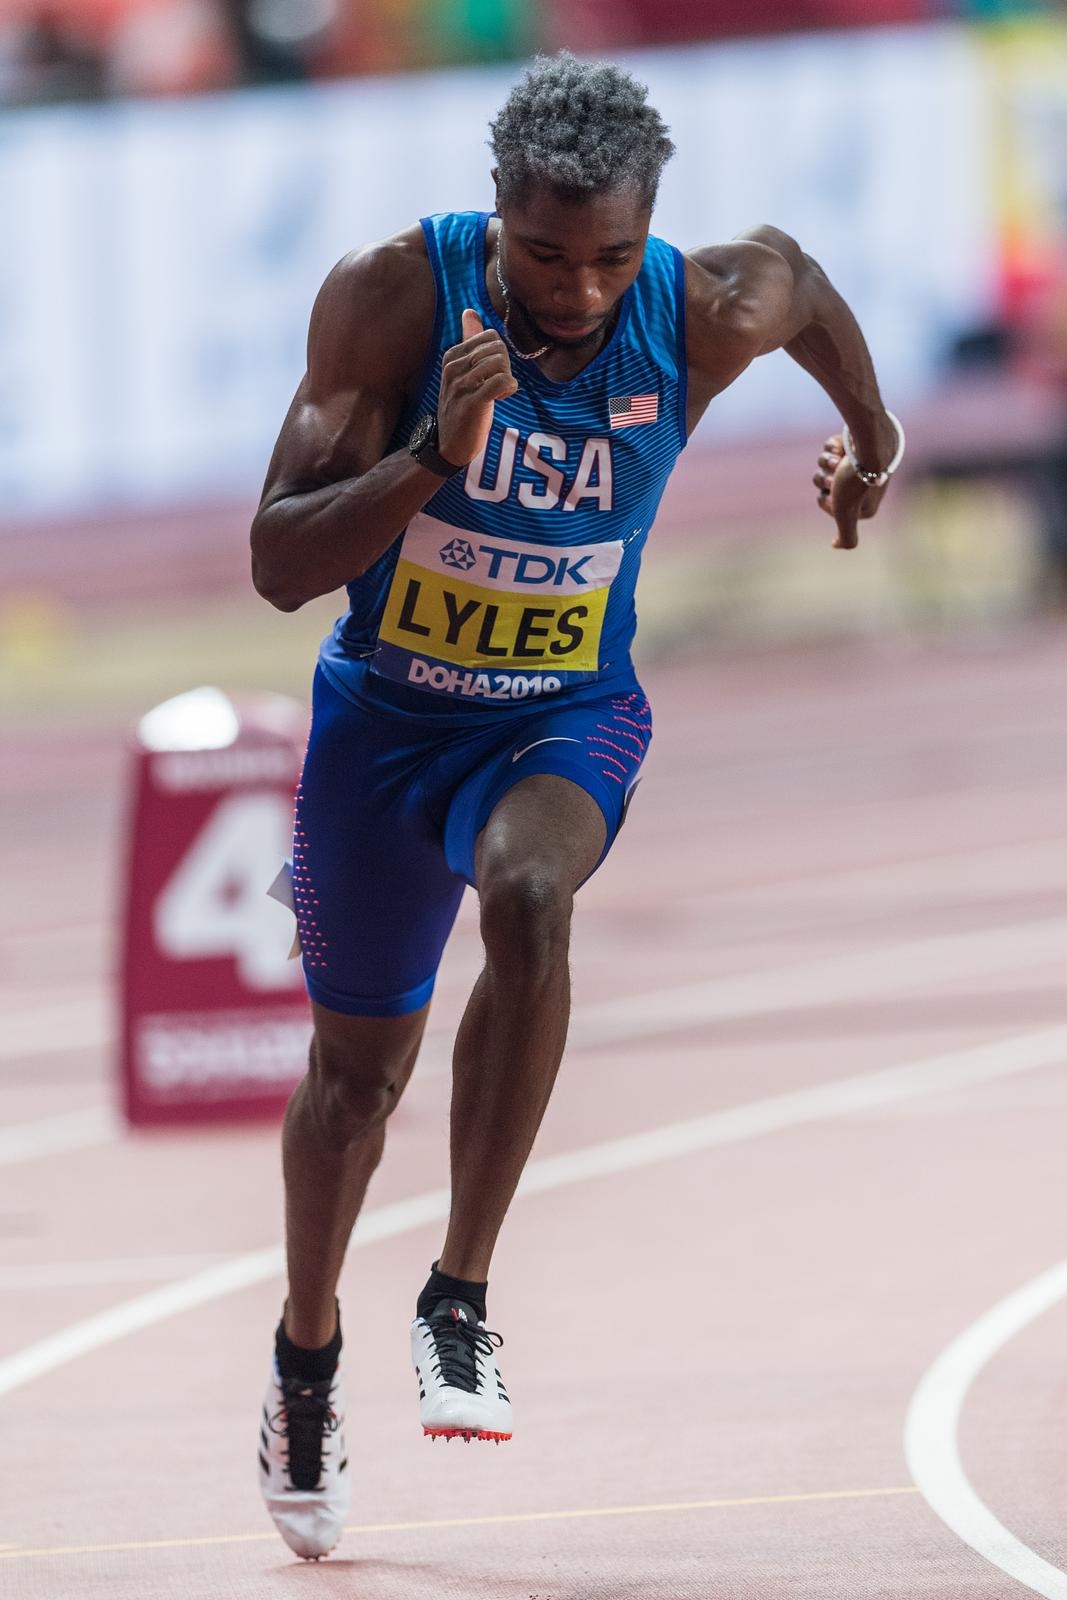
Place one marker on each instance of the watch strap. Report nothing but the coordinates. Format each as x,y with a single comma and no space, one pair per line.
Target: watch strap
427,456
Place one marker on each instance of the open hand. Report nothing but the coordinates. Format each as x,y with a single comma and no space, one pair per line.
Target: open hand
842,494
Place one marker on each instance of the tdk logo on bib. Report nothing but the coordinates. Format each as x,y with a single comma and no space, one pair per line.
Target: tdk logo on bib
491,617
520,566
458,553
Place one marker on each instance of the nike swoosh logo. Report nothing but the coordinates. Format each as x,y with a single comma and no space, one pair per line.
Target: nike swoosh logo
556,738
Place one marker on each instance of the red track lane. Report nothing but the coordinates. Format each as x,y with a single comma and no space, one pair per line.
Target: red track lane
711,1355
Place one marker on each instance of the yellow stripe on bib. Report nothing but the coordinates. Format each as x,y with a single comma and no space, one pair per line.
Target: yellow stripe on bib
436,614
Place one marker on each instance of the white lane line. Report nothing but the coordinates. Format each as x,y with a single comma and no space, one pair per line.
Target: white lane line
1034,867
958,1069
87,1022
84,1023
931,1441
49,1136
84,1274
143,1312
828,981
831,980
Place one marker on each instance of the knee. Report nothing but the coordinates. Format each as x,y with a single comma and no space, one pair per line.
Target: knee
526,914
351,1095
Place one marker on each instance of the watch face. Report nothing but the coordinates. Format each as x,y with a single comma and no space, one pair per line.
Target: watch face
422,433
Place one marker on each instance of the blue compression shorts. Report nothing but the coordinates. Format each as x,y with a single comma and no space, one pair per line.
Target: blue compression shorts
392,798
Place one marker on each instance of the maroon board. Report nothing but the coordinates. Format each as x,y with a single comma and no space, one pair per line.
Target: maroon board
215,1019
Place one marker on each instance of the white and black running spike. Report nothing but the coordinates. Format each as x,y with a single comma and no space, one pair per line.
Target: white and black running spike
303,1464
461,1392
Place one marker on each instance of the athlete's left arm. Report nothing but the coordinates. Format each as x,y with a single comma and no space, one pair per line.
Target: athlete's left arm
762,293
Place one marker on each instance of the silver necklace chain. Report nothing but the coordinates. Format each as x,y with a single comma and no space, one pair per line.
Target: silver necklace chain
523,355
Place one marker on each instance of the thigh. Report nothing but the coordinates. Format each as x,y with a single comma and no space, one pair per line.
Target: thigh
375,897
544,823
595,746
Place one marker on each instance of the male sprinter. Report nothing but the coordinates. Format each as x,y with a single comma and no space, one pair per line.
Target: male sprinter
492,406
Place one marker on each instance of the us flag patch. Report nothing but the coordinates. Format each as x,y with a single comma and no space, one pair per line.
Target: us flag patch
629,410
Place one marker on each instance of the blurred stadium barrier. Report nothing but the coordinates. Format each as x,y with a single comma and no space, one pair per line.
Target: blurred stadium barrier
156,291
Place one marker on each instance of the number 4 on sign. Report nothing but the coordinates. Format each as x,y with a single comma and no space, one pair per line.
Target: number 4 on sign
215,903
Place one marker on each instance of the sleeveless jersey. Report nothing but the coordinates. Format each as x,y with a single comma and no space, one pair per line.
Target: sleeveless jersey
516,581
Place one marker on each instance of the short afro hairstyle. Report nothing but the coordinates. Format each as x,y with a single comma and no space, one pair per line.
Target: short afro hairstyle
580,128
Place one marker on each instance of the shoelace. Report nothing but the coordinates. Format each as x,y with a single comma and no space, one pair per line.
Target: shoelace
305,1419
456,1346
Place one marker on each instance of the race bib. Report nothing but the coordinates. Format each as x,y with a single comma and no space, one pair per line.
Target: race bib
474,616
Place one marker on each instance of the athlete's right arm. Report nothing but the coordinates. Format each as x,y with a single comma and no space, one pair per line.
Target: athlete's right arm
333,501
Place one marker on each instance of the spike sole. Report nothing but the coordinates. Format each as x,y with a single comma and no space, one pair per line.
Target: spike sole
466,1433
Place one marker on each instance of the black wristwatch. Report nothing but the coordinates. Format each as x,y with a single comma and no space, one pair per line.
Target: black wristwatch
423,446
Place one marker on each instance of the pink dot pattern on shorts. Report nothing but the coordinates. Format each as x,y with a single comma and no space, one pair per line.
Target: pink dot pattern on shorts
312,944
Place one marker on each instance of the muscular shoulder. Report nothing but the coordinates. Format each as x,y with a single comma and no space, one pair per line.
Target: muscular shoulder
373,317
741,291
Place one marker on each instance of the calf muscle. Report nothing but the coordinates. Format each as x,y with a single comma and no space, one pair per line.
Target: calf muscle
332,1141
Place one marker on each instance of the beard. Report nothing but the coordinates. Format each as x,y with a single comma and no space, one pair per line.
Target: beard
530,319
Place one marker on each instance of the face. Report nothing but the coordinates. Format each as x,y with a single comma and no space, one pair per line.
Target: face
567,263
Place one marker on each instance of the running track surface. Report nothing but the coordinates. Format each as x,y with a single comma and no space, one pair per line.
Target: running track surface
839,867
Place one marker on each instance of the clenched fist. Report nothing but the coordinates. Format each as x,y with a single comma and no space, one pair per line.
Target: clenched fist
842,494
475,374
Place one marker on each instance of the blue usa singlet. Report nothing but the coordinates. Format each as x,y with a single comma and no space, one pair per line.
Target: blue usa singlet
516,581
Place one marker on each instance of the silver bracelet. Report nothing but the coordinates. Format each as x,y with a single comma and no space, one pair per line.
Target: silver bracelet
875,480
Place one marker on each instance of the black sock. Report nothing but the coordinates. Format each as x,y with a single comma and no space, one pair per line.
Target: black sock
439,1286
312,1366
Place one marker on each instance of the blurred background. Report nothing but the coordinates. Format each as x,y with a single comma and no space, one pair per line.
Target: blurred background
854,806
177,176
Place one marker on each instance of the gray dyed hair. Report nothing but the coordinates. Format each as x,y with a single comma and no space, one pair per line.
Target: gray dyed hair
581,128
